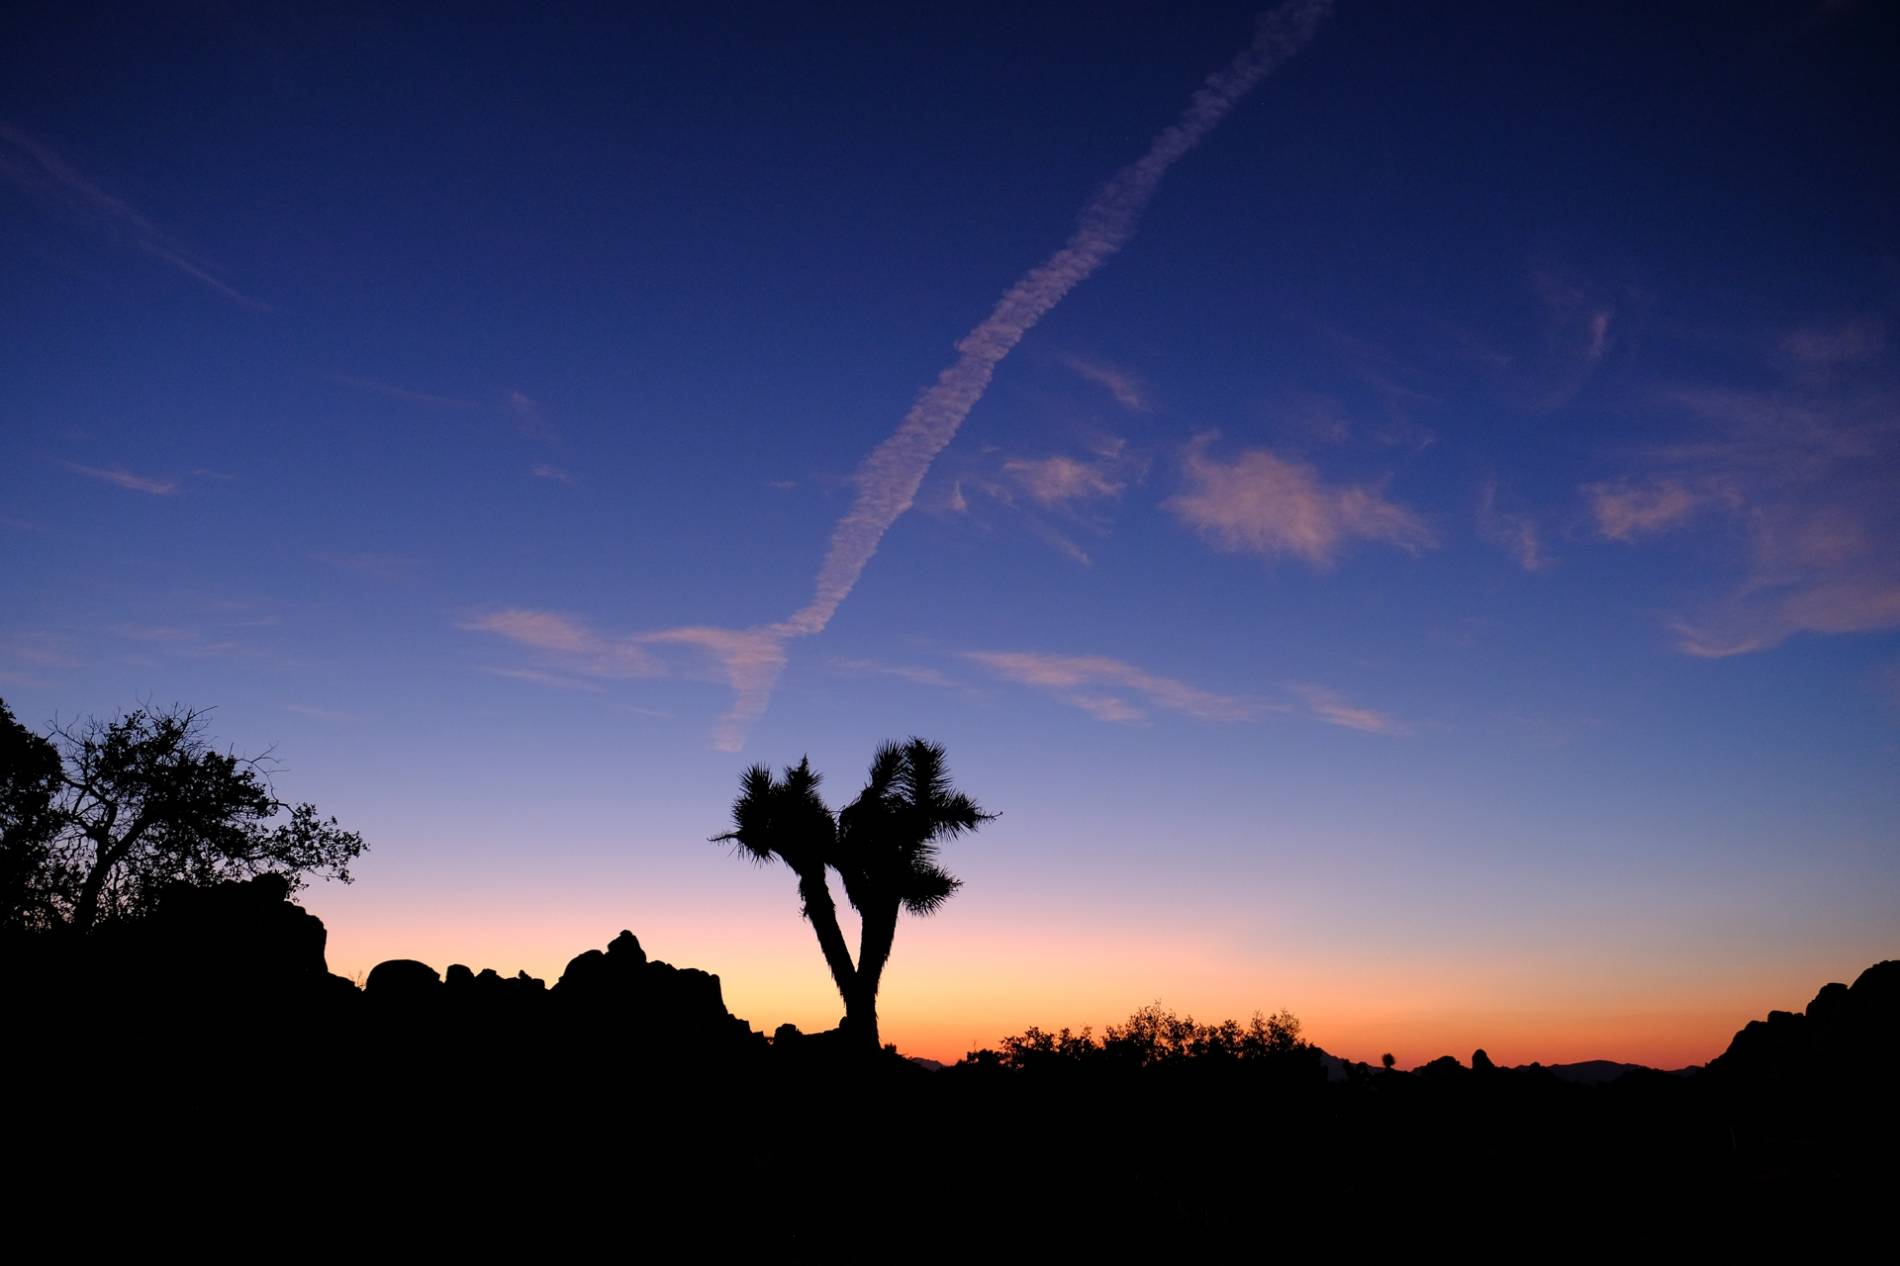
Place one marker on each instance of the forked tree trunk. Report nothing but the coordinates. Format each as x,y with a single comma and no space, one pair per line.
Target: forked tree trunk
823,914
878,931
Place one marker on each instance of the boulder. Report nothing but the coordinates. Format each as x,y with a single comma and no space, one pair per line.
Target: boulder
625,948
401,979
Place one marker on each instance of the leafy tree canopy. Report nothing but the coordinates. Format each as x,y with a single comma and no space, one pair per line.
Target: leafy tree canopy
101,816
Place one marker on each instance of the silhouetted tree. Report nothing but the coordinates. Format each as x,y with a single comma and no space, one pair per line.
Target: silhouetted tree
788,820
141,802
887,850
29,781
883,846
1388,1059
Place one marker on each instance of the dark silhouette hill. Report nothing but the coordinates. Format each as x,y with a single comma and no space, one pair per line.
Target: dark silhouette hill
1844,1025
209,1042
1595,1072
1812,1092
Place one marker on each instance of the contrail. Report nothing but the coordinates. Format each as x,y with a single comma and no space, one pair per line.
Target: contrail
79,192
888,480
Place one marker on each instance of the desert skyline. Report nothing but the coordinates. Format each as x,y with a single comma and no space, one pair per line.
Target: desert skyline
1396,511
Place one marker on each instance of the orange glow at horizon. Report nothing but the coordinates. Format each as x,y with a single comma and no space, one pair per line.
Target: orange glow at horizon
955,986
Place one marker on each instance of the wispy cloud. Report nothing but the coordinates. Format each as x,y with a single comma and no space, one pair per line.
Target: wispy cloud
888,480
529,416
543,677
368,563
1328,706
1056,494
1627,509
1082,681
542,470
903,672
749,661
120,477
1832,347
576,648
1806,475
1262,504
36,167
1058,479
1060,542
1310,418
1129,391
42,650
542,630
1515,534
405,393
213,642
1394,382
572,655
157,633
1579,329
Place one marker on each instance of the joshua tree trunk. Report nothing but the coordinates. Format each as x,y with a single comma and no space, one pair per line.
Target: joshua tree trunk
878,931
823,914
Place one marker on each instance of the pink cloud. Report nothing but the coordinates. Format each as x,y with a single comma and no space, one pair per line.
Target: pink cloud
904,672
1128,390
1847,344
404,393
574,648
1262,504
543,630
1077,681
1626,509
120,477
748,660
1054,480
1805,473
1515,534
1330,707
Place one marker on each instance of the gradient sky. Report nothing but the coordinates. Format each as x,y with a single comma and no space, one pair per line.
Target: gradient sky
1410,535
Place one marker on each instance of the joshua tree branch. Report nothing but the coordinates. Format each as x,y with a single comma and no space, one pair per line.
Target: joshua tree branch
823,914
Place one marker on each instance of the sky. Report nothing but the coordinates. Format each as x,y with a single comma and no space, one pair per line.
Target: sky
1398,508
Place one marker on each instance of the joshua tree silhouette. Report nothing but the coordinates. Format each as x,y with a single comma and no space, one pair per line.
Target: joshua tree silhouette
790,821
887,849
883,846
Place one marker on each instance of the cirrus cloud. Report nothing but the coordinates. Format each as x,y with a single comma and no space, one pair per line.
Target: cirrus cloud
1080,681
1058,479
120,477
1803,476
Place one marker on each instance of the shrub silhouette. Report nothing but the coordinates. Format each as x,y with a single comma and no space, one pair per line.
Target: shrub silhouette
1156,1040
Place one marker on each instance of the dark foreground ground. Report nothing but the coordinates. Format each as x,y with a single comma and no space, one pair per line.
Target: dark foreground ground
202,1084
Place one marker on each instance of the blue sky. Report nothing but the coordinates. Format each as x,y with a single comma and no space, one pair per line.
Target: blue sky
1439,515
